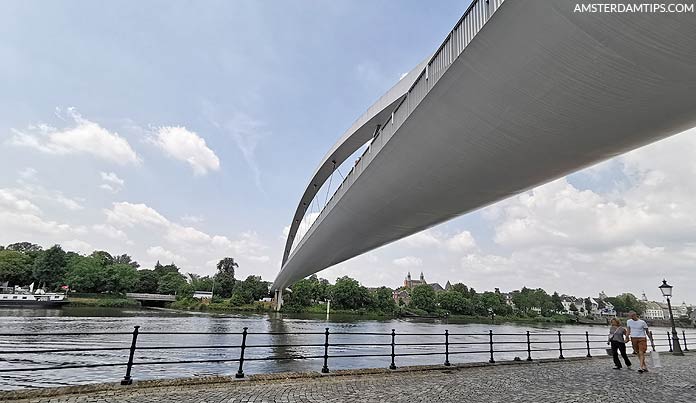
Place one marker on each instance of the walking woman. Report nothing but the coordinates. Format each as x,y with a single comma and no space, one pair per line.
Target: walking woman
618,337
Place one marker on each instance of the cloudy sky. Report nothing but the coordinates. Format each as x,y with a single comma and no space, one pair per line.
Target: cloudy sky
186,132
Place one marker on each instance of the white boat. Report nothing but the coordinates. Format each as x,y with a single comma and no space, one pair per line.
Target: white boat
26,297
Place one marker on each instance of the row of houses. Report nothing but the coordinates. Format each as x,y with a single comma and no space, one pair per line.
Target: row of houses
660,310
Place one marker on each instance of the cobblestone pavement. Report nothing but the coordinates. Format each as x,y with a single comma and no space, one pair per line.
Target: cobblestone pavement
558,382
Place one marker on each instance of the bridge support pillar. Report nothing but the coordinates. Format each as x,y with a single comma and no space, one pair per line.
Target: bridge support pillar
278,299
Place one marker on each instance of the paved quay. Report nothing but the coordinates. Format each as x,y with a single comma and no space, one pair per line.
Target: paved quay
570,381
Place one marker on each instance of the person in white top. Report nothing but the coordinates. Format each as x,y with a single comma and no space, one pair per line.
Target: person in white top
638,332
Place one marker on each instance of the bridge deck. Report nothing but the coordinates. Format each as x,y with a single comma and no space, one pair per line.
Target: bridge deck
150,297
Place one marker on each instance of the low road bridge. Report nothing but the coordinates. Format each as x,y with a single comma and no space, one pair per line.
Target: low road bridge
518,94
151,299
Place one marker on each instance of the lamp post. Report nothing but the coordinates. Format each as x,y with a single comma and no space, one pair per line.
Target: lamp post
667,293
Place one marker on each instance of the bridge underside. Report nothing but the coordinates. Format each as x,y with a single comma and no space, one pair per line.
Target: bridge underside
540,92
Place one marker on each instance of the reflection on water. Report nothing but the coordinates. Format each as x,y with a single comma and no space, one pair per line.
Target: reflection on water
265,332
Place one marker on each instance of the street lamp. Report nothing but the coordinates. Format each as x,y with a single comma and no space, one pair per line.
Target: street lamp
667,293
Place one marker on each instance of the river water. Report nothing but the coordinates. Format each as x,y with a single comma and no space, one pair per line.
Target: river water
276,344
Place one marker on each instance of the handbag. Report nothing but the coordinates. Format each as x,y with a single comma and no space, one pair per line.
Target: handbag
612,335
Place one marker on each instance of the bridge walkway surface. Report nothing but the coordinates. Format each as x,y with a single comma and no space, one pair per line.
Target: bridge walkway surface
568,381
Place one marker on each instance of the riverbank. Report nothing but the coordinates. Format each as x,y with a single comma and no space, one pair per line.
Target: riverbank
319,311
103,302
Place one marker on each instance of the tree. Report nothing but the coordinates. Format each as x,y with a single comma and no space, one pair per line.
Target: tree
494,301
557,303
49,267
302,293
15,267
125,259
147,281
249,290
120,278
224,278
84,274
423,297
198,283
627,302
227,265
102,257
455,302
347,293
24,247
384,300
171,283
588,305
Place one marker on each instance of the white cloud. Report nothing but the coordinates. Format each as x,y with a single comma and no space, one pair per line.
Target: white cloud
130,214
426,238
164,255
82,137
23,225
28,173
9,200
184,145
408,261
246,131
112,182
198,244
462,241
77,245
193,219
111,232
34,192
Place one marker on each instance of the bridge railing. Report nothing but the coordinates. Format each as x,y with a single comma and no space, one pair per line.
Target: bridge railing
327,347
462,34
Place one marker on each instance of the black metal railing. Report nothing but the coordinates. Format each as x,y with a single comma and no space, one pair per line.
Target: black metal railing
392,346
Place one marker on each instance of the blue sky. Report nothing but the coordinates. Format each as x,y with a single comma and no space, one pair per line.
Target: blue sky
187,131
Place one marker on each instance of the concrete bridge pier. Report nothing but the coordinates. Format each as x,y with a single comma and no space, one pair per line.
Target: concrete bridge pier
278,300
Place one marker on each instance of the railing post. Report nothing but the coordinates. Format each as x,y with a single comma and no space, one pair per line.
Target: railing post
127,380
686,348
490,342
587,340
669,340
560,346
393,337
529,347
325,368
447,363
240,371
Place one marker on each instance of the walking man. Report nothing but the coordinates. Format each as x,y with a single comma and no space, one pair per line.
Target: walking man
637,331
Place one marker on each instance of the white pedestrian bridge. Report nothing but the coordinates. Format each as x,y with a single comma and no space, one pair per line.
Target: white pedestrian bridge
520,92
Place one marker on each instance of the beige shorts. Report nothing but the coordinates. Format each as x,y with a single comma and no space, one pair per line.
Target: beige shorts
640,344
